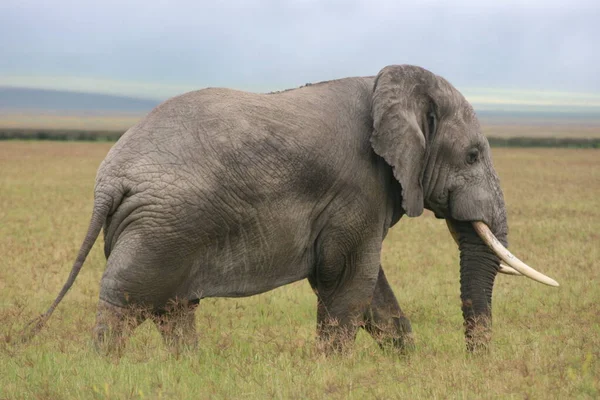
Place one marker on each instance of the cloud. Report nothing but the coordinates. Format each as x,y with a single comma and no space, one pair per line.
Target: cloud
159,48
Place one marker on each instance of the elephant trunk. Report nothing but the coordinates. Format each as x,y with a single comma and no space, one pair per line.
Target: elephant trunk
480,255
478,269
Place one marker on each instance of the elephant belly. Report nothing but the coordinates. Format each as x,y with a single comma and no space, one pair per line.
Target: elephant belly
246,279
251,261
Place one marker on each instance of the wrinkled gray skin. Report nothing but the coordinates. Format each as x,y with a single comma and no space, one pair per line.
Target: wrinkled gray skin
222,193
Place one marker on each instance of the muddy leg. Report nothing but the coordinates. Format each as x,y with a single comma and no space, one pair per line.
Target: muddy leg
113,327
177,325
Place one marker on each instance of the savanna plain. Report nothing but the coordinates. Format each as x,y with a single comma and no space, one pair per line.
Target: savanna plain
546,341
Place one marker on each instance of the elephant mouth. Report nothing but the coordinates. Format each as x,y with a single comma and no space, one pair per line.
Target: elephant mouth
510,264
440,209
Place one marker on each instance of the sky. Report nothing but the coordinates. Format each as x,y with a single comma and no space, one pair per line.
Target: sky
503,52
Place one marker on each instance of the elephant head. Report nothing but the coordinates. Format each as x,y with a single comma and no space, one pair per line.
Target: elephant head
430,136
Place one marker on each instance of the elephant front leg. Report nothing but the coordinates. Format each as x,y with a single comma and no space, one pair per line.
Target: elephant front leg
344,293
177,325
385,321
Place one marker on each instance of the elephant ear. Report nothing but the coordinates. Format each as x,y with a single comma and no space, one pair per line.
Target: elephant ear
400,101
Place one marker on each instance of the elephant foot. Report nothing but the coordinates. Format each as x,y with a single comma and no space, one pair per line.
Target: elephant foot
177,325
392,335
113,327
478,334
335,337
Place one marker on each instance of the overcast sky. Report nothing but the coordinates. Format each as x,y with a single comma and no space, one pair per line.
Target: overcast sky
161,48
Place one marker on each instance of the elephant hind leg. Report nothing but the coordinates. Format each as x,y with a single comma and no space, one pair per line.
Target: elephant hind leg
114,325
385,321
177,324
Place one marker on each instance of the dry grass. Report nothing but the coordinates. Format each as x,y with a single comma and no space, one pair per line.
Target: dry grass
546,341
74,121
98,121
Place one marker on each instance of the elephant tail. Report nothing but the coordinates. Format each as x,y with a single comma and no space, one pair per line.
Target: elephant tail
103,205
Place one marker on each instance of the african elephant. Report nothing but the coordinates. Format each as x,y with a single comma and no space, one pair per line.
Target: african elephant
223,193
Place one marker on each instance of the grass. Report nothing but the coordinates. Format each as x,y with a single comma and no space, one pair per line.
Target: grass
546,341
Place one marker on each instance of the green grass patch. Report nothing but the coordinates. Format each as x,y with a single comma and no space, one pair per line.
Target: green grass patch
546,341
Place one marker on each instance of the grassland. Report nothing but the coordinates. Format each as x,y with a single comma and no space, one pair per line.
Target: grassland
546,341
506,125
90,121
502,131
562,129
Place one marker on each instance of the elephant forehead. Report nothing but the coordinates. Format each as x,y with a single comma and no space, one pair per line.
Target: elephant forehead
461,124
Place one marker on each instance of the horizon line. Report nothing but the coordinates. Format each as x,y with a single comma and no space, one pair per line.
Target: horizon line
491,96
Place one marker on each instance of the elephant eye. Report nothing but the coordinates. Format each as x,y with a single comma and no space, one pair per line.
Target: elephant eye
472,156
431,122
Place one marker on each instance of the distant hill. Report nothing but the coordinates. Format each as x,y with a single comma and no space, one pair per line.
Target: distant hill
22,108
68,102
23,99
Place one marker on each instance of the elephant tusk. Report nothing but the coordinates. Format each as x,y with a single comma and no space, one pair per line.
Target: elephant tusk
503,268
488,237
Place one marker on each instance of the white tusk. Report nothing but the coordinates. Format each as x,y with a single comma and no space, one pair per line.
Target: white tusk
503,269
488,237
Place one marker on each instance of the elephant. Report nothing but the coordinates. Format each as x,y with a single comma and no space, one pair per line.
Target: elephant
224,193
